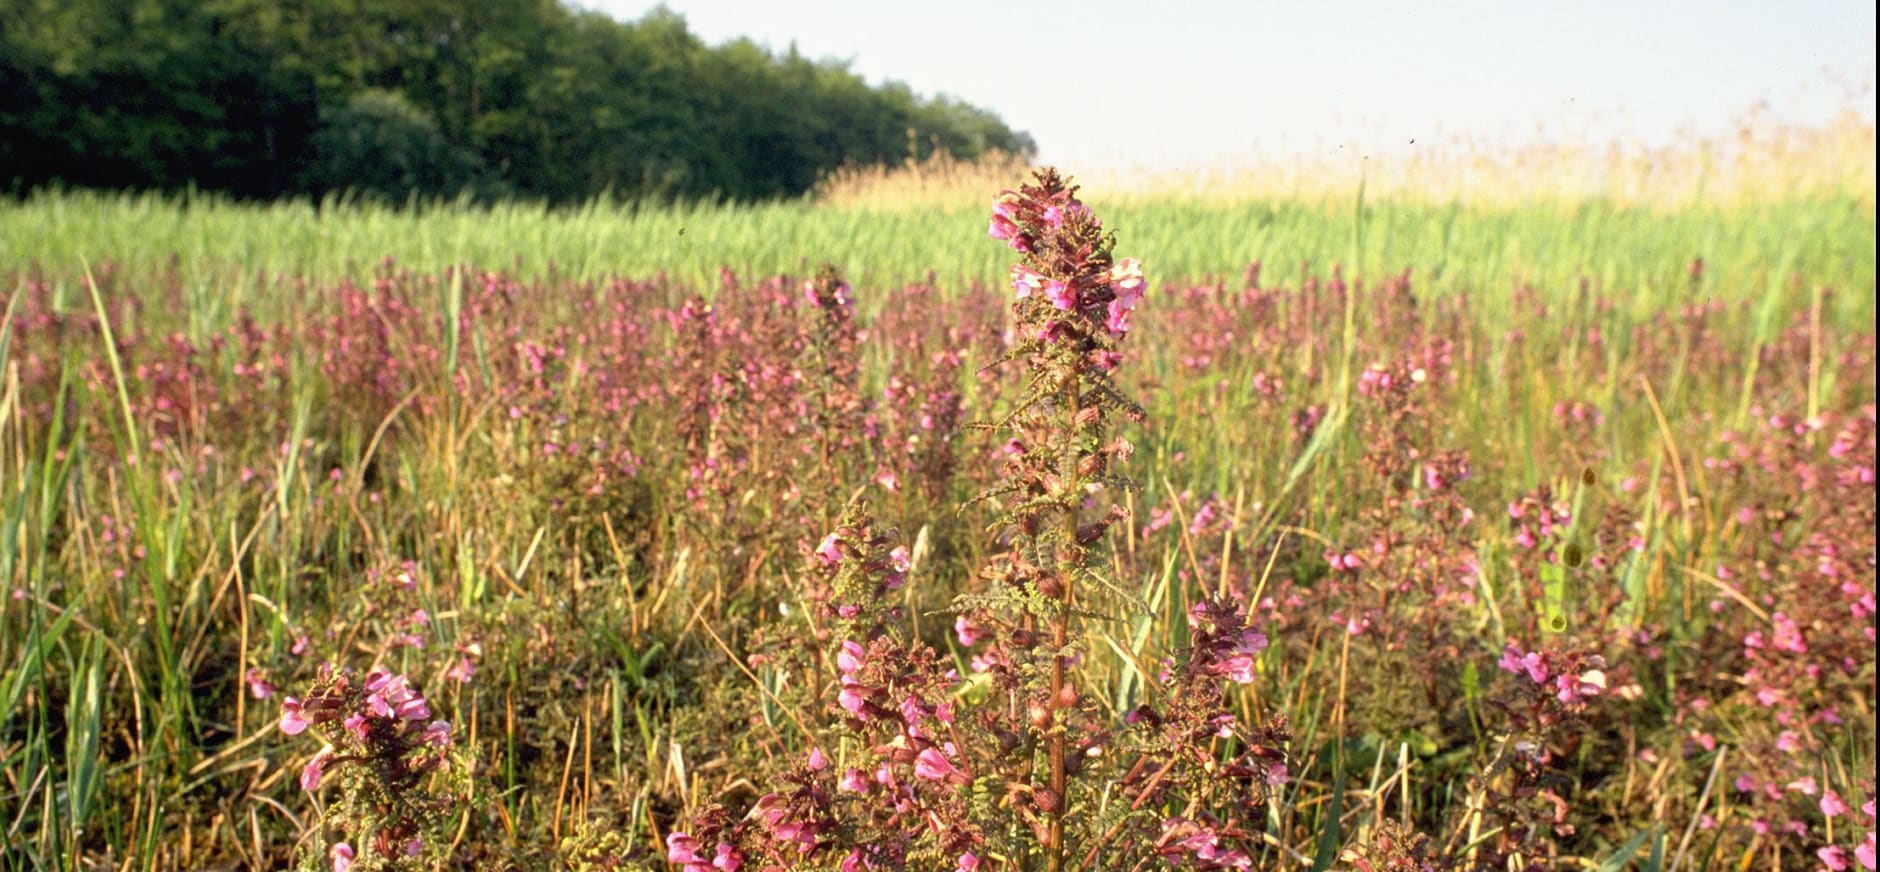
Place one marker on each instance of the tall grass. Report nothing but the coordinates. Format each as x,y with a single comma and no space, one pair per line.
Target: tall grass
231,255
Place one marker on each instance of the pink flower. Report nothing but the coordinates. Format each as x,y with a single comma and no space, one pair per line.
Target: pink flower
258,684
828,551
1834,857
342,856
1026,281
1127,282
966,632
293,722
900,559
1238,668
311,774
1865,853
851,656
853,781
1832,805
1003,227
968,862
934,766
854,699
437,735
1512,660
1061,294
728,858
817,762
1118,321
462,671
681,848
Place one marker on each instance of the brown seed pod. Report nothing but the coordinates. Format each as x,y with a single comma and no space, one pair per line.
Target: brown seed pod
1047,799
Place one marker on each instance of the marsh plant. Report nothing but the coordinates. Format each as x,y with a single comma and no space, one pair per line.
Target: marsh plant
1002,757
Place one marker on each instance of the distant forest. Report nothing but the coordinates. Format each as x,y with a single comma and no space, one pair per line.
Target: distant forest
262,99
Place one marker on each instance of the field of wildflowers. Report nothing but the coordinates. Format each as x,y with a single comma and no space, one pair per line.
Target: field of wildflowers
1419,538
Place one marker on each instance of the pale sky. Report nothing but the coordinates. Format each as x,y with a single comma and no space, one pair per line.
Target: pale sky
1174,84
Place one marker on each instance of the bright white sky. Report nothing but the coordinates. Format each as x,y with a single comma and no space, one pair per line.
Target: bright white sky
1176,84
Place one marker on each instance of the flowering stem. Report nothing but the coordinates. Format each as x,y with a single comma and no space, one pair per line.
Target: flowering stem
1060,637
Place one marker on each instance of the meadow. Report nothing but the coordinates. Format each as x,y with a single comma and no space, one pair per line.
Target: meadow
1376,524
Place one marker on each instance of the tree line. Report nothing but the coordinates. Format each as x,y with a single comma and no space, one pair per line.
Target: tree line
491,98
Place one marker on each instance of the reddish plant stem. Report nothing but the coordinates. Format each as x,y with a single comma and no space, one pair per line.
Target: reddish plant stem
1060,637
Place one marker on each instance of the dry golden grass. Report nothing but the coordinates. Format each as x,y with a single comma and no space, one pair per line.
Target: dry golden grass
1761,161
940,180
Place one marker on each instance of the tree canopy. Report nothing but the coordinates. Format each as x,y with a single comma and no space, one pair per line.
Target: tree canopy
528,98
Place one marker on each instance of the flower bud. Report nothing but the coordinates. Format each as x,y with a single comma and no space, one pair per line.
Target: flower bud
1038,714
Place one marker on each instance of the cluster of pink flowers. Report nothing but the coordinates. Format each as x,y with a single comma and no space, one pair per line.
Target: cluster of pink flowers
1223,645
1125,281
1107,294
685,851
1569,682
1200,846
385,724
1537,518
384,709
